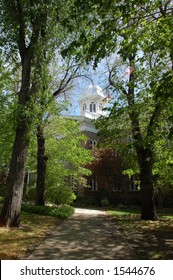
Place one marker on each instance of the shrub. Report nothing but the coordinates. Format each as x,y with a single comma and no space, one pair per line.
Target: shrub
60,194
105,202
62,211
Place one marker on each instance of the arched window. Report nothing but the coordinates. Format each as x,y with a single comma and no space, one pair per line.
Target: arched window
92,107
84,107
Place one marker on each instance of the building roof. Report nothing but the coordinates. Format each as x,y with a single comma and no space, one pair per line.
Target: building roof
92,91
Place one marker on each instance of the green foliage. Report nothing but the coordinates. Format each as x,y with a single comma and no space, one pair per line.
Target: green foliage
140,33
105,202
32,29
163,169
7,114
66,162
65,211
121,212
140,77
23,17
62,212
67,158
60,194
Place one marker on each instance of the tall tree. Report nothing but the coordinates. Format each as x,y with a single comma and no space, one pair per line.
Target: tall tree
63,81
134,30
7,115
27,29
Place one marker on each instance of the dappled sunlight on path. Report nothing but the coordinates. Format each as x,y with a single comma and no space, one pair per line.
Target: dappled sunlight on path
89,234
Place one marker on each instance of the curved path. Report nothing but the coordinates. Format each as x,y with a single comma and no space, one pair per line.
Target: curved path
88,234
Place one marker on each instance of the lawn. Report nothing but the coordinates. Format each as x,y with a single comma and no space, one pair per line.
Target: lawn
17,243
150,239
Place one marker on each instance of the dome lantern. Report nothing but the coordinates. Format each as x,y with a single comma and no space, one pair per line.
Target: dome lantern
92,102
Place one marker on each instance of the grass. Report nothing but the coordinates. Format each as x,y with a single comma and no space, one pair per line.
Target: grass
17,243
150,239
123,212
37,222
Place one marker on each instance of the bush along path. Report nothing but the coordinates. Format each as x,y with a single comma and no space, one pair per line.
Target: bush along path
61,212
88,234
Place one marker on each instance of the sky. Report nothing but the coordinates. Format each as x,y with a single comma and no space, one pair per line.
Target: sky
97,77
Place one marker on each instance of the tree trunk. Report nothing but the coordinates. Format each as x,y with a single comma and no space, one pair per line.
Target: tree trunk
147,186
41,167
12,205
144,154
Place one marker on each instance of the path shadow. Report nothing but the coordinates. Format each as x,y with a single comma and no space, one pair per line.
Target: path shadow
152,246
84,237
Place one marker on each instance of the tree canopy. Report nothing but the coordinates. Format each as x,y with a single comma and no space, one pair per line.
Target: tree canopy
30,30
134,38
137,37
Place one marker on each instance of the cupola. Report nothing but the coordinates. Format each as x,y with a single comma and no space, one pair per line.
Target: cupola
92,102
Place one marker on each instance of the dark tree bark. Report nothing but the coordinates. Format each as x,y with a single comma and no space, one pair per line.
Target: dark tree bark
148,211
28,43
41,167
10,215
12,205
144,154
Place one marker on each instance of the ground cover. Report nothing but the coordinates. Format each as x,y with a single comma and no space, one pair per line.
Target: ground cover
37,222
61,211
150,239
17,243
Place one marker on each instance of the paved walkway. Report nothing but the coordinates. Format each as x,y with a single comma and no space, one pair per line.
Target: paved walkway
88,234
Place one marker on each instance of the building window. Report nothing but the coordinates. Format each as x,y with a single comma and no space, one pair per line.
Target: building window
116,185
84,107
92,107
93,184
133,184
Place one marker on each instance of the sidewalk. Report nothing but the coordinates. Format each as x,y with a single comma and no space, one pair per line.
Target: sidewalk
88,234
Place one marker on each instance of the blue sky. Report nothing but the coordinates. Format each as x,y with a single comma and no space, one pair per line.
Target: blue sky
99,78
